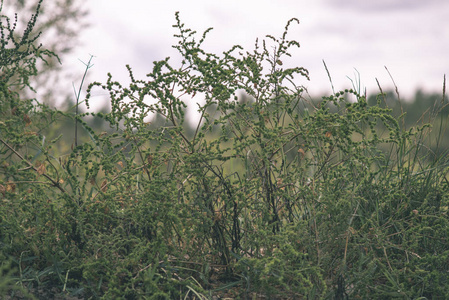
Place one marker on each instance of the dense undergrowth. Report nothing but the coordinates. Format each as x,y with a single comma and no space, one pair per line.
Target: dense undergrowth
270,194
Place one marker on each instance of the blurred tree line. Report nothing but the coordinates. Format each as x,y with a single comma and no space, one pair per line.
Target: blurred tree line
424,108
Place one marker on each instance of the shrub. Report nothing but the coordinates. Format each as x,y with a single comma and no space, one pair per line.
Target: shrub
269,193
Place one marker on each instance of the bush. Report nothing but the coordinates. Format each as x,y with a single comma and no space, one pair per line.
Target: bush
270,193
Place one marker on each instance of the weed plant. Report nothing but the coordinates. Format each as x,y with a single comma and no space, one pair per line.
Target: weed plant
270,194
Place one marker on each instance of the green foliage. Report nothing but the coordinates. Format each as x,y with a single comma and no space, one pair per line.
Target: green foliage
269,193
59,24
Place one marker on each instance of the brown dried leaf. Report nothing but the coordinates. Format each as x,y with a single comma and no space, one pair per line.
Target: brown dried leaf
41,169
104,186
10,187
27,120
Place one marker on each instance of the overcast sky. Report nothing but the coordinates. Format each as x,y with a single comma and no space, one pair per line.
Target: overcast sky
409,37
